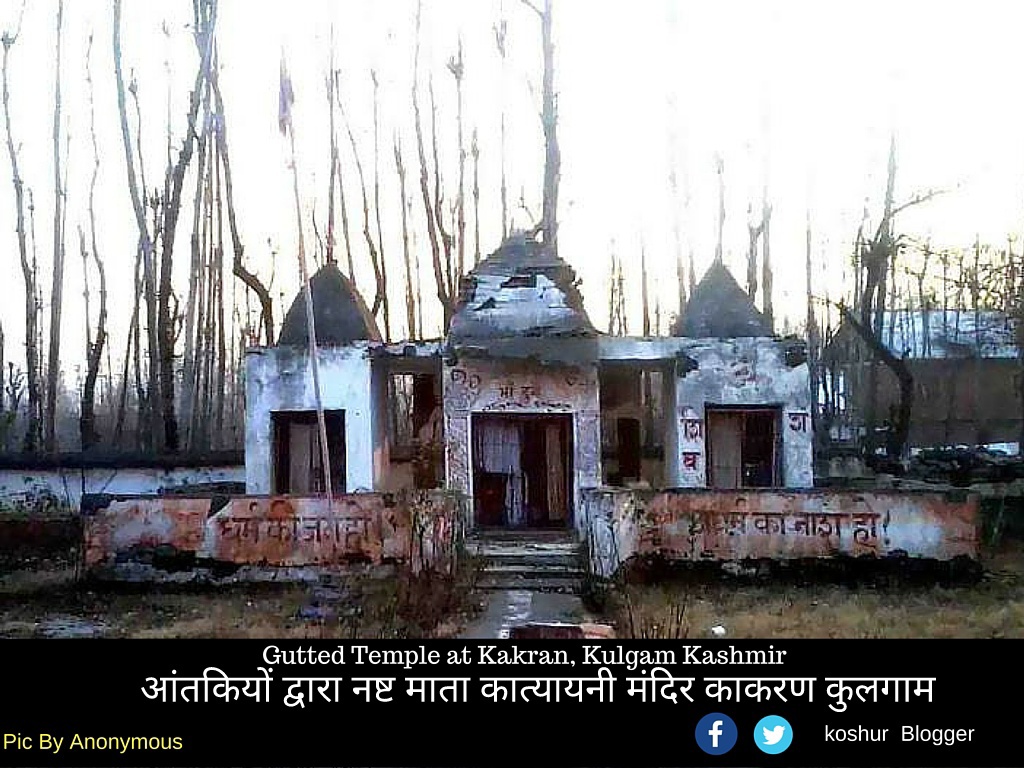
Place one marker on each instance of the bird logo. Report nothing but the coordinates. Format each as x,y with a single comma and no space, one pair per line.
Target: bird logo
773,734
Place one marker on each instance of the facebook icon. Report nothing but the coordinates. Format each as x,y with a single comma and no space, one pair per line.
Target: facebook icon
716,733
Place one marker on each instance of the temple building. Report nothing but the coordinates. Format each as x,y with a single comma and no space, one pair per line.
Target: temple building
526,407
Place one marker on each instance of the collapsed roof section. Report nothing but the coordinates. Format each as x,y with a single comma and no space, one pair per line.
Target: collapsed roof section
522,301
720,309
340,316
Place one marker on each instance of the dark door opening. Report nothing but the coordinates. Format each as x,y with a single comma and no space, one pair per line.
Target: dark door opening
522,470
742,445
298,460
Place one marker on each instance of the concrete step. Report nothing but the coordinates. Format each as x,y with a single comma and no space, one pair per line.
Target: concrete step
538,561
566,584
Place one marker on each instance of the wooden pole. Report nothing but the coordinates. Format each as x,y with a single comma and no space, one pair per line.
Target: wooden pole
286,98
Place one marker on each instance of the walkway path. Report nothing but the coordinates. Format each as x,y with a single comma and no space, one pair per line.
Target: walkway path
507,608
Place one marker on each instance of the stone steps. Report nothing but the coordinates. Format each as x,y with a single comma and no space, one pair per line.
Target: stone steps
538,561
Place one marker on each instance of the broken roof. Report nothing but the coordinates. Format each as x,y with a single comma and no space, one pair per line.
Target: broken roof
719,308
521,291
340,316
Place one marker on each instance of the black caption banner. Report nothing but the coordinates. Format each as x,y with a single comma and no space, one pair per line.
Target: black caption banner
479,703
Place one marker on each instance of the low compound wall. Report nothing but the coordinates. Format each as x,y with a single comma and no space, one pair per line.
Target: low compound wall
150,537
721,526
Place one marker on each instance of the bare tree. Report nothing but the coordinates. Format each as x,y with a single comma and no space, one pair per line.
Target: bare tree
444,295
813,336
767,305
138,204
33,430
250,280
56,293
754,233
875,257
336,176
380,296
500,39
93,346
475,150
458,69
410,298
447,240
382,270
549,120
720,170
205,19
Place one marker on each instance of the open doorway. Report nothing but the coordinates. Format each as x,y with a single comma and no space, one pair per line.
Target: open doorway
298,460
743,449
522,470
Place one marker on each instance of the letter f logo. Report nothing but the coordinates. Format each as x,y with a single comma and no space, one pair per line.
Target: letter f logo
715,732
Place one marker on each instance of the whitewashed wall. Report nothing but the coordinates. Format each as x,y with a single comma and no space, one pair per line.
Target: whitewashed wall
26,488
751,371
280,379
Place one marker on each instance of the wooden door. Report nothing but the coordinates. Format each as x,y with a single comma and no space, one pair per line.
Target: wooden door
725,449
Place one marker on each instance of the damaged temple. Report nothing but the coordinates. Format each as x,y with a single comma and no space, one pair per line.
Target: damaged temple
695,446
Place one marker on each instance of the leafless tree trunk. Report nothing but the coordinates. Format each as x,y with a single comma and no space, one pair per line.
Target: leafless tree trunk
766,261
56,293
410,299
189,394
336,173
552,154
476,199
754,232
93,348
444,296
876,256
549,120
645,304
286,98
813,337
138,205
382,272
333,178
218,394
379,295
447,240
720,170
457,67
129,354
767,305
677,236
205,23
251,281
500,38
33,430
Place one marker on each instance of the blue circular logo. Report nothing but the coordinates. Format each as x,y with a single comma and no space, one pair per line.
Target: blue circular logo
773,734
716,733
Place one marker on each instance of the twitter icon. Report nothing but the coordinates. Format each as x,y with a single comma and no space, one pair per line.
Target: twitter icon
773,734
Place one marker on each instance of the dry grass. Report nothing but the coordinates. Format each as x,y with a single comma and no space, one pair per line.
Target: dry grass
993,607
37,603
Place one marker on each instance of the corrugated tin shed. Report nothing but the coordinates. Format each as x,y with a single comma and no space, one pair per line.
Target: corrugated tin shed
340,315
949,334
720,309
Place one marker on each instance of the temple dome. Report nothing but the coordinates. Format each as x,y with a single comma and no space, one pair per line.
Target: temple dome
340,316
719,308
520,290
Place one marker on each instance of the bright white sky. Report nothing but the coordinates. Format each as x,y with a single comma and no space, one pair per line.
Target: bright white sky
804,91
